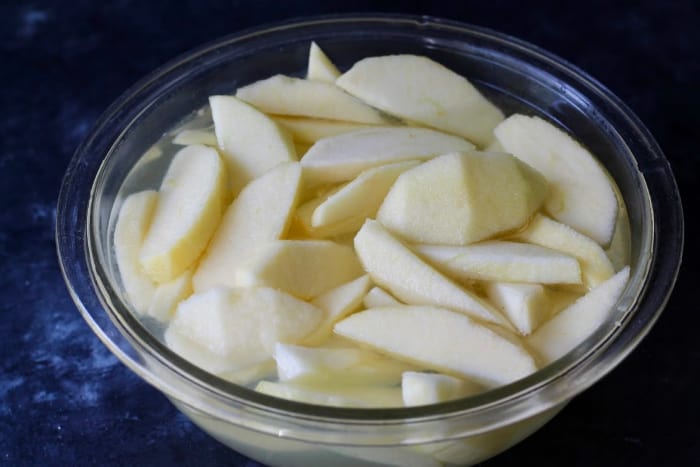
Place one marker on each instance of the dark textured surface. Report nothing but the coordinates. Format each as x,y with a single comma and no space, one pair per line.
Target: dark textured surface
65,400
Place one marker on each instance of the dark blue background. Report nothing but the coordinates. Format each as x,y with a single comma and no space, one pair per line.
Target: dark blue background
64,400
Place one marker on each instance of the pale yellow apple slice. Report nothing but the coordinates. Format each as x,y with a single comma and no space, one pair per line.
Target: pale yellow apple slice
448,342
344,157
252,373
337,396
188,137
619,250
421,90
393,266
284,95
303,221
303,268
261,213
320,67
338,303
573,325
132,224
418,388
379,297
360,198
525,305
581,195
238,327
460,198
168,295
308,130
190,204
595,265
250,141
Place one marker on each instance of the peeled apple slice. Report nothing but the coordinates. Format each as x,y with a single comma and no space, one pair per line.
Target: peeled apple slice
188,137
525,305
572,326
284,95
421,90
320,66
441,340
338,396
261,213
432,388
463,197
581,195
344,157
191,201
308,130
250,141
379,297
132,224
168,295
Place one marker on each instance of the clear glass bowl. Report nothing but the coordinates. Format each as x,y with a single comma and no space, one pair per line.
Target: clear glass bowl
516,75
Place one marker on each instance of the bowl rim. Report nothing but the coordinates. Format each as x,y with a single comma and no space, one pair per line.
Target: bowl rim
89,285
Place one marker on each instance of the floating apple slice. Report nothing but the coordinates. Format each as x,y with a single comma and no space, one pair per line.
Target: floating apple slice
581,195
188,137
303,268
573,325
168,295
418,89
595,265
343,157
190,204
250,141
447,342
239,327
320,66
393,266
338,396
379,297
284,95
261,213
132,224
525,305
306,130
419,388
460,198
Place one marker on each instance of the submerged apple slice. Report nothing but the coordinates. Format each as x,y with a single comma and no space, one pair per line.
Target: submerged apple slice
168,295
190,204
343,157
418,89
250,141
419,388
581,195
393,266
460,198
188,137
306,130
572,326
261,213
338,396
525,305
320,66
284,95
441,340
379,297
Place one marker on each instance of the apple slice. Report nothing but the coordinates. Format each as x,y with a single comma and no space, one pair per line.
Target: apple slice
419,388
572,326
619,249
303,220
132,224
595,265
581,195
188,137
448,342
460,198
252,373
250,141
393,266
261,213
306,130
303,268
525,305
418,89
337,396
513,262
377,297
239,327
284,95
168,295
190,204
320,66
343,157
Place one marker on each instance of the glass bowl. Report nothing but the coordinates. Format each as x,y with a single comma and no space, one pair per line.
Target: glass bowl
517,76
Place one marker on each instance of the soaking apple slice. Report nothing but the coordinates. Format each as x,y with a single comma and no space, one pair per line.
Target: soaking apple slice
418,388
188,137
337,396
393,266
250,141
320,66
421,90
581,195
343,157
572,326
284,95
261,213
525,305
306,130
190,204
449,342
168,295
379,297
463,197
